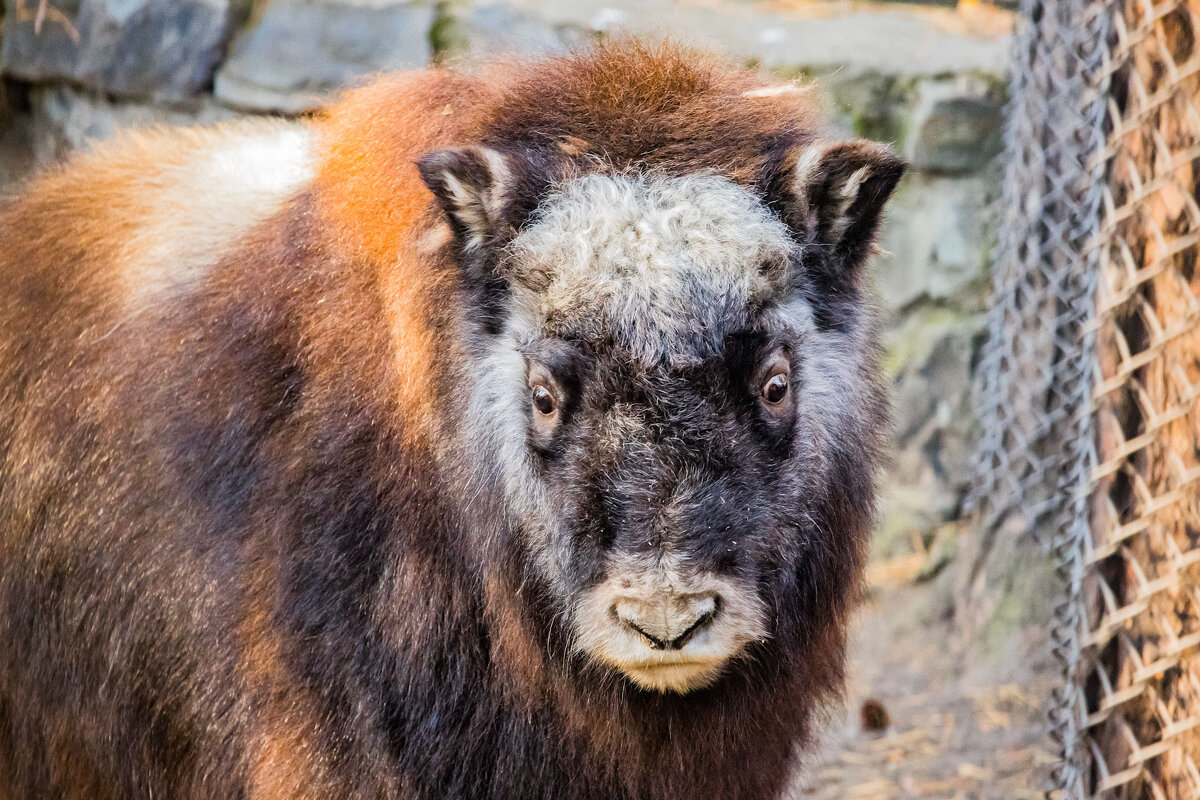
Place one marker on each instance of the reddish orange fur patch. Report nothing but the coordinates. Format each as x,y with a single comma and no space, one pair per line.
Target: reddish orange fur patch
368,186
369,142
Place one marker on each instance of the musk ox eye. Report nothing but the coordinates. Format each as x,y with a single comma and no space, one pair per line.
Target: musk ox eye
544,401
775,389
775,384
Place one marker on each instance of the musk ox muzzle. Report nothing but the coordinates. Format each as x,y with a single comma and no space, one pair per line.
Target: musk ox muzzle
667,630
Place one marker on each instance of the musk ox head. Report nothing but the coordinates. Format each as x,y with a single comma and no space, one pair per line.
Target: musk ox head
673,371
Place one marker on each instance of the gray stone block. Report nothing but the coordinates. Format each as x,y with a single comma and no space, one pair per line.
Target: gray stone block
889,39
299,55
935,240
66,119
956,127
157,49
491,29
931,355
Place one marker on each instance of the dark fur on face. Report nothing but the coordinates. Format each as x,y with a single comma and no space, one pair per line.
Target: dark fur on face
526,450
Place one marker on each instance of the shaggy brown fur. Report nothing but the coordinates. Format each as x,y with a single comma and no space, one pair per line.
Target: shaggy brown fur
245,550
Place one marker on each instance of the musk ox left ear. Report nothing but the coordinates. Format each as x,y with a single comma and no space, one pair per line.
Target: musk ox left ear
834,194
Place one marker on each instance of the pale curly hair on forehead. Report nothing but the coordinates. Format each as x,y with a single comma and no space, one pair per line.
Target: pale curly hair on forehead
663,266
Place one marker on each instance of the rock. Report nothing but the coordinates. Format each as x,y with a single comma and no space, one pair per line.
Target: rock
931,357
864,103
956,127
299,55
887,39
936,240
17,156
63,119
154,49
486,30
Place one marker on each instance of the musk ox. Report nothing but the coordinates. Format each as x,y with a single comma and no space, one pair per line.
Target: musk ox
507,435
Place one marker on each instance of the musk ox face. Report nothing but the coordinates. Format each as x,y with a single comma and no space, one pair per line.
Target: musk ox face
659,416
658,398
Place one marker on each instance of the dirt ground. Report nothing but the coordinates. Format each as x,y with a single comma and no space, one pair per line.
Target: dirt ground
962,706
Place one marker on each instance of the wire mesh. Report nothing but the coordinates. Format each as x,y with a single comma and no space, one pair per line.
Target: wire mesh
1144,680
1092,373
1036,450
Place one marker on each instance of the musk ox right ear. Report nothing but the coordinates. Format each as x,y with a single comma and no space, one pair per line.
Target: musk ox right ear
485,194
470,184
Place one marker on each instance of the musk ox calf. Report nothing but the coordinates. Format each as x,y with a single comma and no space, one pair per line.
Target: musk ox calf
495,436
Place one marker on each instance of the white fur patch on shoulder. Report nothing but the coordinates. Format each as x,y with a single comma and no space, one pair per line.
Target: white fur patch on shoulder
205,196
662,264
775,91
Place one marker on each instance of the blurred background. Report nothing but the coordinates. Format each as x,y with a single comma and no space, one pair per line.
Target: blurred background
950,665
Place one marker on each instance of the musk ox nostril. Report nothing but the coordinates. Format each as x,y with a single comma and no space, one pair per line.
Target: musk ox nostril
699,625
667,621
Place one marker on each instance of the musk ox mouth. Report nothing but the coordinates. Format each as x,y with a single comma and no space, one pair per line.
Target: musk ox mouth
664,630
680,677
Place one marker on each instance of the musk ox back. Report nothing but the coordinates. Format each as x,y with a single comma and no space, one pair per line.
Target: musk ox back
506,436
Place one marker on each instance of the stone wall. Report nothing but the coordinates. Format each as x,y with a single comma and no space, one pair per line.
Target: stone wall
930,80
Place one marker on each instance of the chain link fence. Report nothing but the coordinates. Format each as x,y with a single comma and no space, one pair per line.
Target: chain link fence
1091,375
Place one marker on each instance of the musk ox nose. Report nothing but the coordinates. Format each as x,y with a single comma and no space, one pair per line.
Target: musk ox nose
668,620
